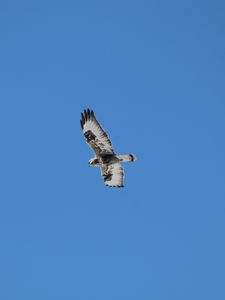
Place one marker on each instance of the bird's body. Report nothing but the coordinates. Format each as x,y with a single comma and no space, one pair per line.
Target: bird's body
105,157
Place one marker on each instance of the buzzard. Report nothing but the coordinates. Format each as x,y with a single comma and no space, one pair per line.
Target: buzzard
105,156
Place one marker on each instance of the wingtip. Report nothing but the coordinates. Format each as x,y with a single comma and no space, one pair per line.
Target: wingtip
87,114
132,157
82,120
115,186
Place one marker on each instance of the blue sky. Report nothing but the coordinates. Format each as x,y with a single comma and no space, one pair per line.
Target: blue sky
153,72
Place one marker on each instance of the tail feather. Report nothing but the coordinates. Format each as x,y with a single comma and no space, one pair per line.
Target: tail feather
127,158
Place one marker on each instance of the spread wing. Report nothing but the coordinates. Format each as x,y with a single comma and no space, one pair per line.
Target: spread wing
95,135
113,175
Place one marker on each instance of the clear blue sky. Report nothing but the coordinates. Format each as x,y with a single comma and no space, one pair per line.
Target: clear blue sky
154,73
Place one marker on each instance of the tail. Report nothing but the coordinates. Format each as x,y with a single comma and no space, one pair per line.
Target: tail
126,158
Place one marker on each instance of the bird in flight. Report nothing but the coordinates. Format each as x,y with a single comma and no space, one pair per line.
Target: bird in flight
105,157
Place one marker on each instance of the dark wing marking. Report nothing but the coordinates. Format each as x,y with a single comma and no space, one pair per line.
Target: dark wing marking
95,135
113,175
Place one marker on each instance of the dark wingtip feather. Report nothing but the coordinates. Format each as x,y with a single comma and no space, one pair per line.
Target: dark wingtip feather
89,113
92,114
86,115
132,157
117,186
82,121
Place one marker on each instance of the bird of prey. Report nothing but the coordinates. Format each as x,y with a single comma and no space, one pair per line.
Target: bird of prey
105,156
